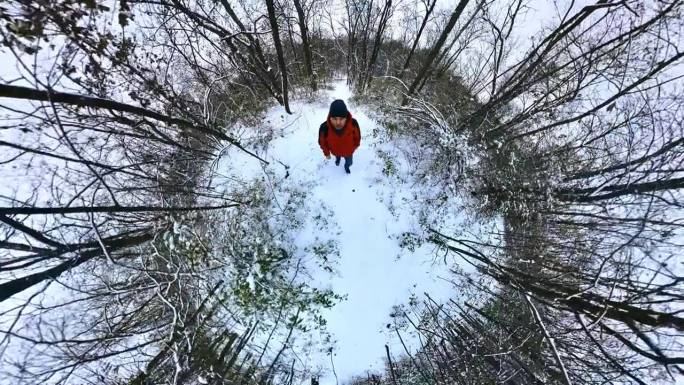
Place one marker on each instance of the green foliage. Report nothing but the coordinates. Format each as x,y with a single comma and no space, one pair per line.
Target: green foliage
323,250
389,168
266,269
392,128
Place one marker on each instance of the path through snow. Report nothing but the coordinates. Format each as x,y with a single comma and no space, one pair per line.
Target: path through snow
372,270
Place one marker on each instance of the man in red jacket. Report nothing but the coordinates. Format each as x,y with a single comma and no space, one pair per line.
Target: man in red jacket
339,135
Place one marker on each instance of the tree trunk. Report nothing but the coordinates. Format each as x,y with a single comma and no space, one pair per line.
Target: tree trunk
361,66
279,51
415,42
384,18
305,41
614,191
177,334
16,286
103,209
435,49
19,92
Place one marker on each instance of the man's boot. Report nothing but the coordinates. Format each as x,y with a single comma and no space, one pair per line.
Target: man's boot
347,170
337,161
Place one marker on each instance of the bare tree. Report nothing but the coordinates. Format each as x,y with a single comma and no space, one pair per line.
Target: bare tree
384,18
303,28
436,48
429,7
279,51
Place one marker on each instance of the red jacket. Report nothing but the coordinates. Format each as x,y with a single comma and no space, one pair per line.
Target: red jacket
339,143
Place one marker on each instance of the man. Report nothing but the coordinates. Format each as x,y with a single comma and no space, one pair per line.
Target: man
339,135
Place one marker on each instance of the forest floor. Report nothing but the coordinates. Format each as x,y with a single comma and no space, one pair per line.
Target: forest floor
369,210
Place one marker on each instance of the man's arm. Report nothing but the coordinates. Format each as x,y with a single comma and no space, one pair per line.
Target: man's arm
357,133
323,140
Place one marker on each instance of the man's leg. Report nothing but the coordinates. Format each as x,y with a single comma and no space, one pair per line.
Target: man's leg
348,161
337,160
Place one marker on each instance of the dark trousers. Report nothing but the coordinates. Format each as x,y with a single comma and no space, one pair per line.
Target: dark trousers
348,160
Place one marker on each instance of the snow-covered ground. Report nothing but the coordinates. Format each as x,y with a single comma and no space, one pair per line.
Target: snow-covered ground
369,210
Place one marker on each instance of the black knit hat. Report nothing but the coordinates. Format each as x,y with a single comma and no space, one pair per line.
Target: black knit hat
338,109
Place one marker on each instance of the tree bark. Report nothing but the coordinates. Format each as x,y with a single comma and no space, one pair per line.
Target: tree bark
279,51
428,12
435,49
103,209
254,48
16,286
18,92
305,41
377,43
614,191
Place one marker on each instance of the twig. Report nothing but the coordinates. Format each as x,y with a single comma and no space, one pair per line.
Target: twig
99,240
332,363
548,338
389,362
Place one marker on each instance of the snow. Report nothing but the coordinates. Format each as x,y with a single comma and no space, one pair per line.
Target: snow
370,211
